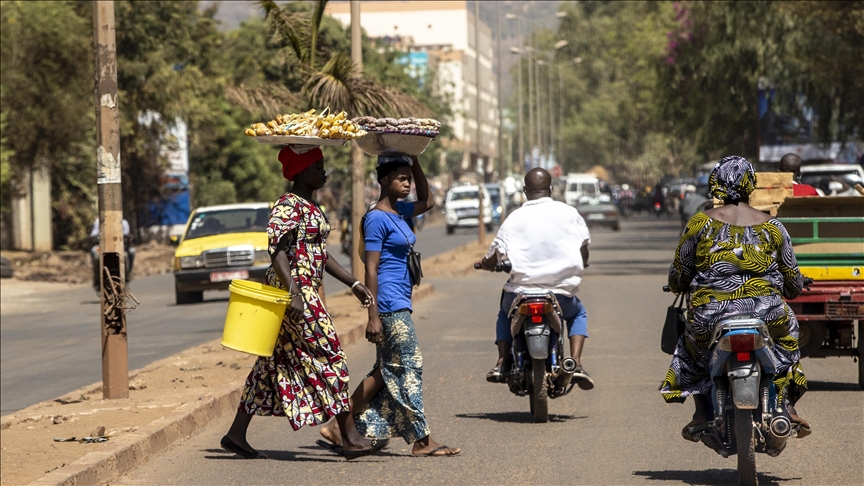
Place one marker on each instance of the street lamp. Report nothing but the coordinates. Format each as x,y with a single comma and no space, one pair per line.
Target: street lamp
533,80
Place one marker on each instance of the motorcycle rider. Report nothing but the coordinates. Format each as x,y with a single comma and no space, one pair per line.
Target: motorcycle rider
546,242
94,251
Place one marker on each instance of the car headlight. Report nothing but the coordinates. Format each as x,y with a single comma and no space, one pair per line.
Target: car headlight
196,261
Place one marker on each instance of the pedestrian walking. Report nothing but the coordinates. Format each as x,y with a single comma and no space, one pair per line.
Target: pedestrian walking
306,378
389,401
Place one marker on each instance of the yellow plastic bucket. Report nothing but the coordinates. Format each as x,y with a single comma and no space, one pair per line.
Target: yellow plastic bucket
254,317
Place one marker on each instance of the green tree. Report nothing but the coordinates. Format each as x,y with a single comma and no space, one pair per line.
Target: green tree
47,97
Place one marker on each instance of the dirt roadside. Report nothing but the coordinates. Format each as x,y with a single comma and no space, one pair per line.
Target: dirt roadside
28,450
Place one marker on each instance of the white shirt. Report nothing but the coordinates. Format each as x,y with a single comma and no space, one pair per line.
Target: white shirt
94,233
543,240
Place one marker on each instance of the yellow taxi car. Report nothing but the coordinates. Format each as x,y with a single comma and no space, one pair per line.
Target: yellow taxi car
219,244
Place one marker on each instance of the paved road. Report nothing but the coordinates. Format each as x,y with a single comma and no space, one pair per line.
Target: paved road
619,433
54,348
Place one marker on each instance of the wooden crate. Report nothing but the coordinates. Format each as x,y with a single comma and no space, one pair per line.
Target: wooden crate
772,188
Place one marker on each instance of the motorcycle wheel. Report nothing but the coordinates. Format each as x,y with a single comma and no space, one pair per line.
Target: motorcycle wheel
539,392
746,447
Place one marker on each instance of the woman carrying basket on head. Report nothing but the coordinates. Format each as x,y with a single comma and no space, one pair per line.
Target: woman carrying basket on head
306,379
389,401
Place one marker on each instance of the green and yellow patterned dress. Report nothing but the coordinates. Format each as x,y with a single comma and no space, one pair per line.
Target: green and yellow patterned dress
731,270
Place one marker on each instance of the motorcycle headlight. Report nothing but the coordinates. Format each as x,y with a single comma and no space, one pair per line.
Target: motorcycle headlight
196,261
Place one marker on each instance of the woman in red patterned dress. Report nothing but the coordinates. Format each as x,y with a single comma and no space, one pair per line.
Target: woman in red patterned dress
306,379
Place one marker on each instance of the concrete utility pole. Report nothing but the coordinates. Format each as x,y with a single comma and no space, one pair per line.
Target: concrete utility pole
358,172
481,226
115,359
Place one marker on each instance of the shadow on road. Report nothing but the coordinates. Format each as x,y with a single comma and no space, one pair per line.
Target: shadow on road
516,417
709,476
273,455
831,386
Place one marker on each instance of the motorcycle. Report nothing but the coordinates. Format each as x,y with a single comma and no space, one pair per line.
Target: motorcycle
625,207
539,370
95,260
747,419
658,209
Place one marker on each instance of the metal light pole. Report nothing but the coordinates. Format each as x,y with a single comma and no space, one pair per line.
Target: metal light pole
531,139
521,122
551,116
501,164
115,358
531,132
358,176
481,227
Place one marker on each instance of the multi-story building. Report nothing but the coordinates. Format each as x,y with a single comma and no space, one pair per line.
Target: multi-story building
442,35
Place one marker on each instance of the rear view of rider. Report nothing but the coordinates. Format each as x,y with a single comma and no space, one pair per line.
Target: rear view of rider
546,242
734,260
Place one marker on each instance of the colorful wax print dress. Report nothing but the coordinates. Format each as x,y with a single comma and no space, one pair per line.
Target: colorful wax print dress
306,379
732,270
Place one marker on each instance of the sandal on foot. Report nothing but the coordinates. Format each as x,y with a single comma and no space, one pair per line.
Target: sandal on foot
231,446
583,381
377,445
495,375
434,452
685,432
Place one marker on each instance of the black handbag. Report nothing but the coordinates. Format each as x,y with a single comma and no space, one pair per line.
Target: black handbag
415,271
673,328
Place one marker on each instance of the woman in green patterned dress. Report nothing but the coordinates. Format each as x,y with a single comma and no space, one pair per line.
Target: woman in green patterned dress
734,260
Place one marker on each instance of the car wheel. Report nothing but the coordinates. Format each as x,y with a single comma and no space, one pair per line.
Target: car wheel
488,226
616,226
187,297
6,270
450,229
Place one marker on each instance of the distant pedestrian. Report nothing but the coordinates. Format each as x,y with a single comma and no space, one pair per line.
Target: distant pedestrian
306,379
792,163
389,402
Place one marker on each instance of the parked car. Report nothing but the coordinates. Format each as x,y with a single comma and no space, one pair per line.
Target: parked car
462,208
498,203
599,211
219,244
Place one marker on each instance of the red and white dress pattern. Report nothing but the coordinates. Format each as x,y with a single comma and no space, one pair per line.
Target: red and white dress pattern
306,379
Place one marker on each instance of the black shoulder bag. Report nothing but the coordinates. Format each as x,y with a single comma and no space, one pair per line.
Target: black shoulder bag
673,328
415,271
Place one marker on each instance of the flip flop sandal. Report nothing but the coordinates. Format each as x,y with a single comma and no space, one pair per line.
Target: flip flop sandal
582,379
377,445
432,453
329,445
495,375
231,446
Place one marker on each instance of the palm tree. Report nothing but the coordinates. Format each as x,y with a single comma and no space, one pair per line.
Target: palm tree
339,84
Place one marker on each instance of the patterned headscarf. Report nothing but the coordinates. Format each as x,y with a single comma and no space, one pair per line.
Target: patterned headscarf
733,178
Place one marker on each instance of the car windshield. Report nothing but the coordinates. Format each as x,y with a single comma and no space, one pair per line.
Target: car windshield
241,220
589,189
463,195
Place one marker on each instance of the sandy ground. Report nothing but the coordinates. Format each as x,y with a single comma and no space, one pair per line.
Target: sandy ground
73,267
27,440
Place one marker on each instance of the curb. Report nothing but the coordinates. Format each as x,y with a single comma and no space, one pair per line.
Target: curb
136,448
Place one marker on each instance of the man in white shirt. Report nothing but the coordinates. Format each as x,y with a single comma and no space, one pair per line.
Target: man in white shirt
546,242
94,255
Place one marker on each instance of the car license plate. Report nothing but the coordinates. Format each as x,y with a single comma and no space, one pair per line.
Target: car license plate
595,216
224,276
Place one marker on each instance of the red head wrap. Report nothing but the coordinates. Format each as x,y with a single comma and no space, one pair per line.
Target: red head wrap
294,163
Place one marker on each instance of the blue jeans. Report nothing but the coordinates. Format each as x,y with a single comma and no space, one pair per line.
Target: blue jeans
574,315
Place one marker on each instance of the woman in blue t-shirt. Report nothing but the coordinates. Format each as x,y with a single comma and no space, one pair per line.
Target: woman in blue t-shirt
389,402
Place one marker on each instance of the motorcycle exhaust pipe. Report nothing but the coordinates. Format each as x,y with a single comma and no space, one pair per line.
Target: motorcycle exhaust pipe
780,427
779,431
565,374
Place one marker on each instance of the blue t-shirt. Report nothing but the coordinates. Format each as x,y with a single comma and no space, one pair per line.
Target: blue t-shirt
391,235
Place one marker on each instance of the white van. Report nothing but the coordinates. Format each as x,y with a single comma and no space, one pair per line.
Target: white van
579,185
